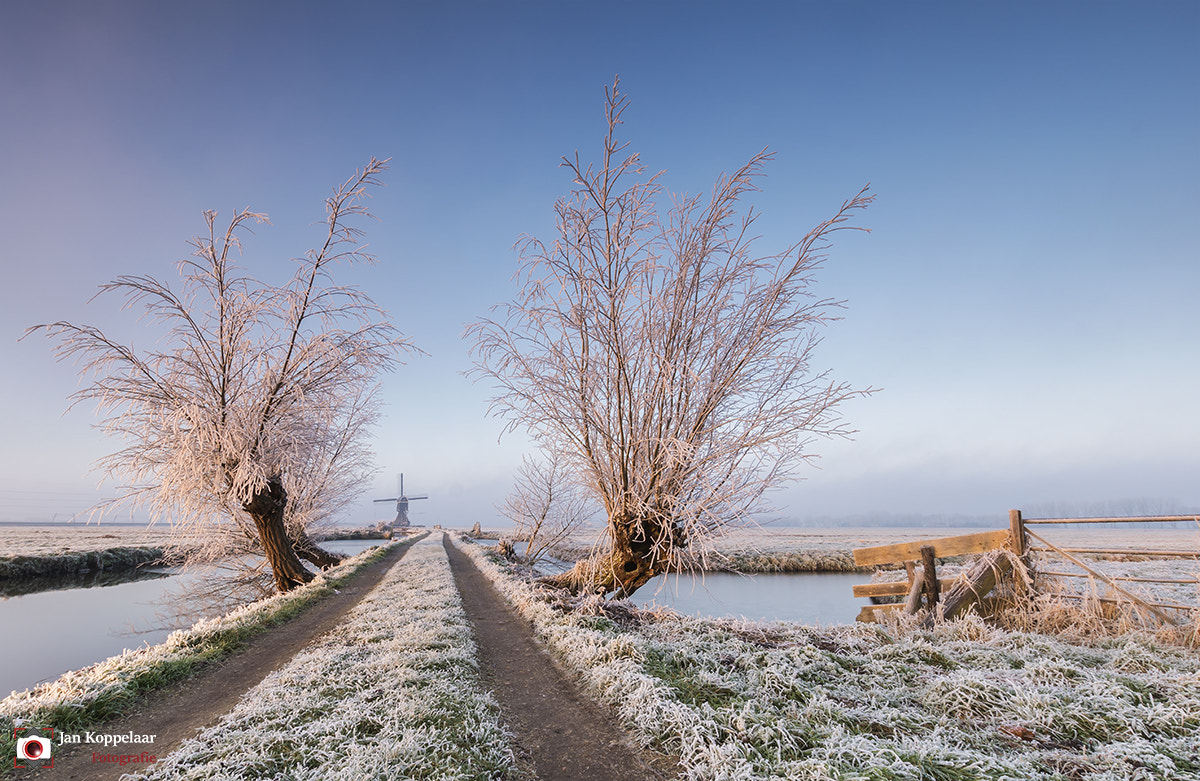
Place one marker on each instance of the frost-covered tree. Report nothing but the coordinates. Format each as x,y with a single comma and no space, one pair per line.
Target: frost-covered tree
665,361
545,505
252,412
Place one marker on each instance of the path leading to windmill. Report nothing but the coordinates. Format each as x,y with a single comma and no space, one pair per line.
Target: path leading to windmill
558,733
178,711
565,736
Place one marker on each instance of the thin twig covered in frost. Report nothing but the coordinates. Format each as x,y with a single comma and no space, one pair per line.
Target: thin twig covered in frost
546,505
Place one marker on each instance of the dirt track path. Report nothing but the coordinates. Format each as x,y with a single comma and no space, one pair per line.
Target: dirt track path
176,712
560,734
565,736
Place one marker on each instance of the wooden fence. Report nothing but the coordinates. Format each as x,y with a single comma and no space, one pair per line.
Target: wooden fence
1050,554
998,549
925,584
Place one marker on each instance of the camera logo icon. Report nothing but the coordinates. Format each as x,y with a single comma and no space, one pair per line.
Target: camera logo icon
34,748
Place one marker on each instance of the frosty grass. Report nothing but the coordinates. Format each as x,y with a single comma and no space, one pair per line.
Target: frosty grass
394,693
83,698
737,700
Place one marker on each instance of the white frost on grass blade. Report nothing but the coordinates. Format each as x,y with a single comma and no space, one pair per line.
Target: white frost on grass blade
737,700
81,698
392,693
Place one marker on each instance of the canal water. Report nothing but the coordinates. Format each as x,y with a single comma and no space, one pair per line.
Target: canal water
51,632
48,633
818,598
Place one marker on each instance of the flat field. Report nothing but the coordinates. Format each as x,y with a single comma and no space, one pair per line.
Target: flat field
787,539
79,538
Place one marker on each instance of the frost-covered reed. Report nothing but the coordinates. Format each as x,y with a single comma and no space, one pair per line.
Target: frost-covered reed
115,559
772,548
392,693
736,700
86,697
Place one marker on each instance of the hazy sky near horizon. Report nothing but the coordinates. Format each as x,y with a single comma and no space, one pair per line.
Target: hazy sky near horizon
1026,300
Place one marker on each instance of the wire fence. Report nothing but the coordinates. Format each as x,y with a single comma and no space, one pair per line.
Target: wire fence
1154,566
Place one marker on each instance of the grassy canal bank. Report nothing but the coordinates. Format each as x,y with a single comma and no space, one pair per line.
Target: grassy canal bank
84,698
965,700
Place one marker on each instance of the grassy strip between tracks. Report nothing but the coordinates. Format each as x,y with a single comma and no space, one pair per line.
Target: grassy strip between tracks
393,693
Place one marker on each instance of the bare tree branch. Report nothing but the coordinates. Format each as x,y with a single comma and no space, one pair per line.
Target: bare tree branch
546,506
661,359
262,401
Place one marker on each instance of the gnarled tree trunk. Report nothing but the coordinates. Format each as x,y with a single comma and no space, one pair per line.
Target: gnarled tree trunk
267,509
640,550
308,549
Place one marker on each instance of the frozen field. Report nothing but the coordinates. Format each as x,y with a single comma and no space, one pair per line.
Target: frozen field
49,540
42,540
773,540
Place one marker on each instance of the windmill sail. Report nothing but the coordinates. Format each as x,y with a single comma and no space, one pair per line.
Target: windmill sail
401,521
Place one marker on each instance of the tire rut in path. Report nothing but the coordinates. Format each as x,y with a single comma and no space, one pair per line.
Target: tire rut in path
564,735
176,712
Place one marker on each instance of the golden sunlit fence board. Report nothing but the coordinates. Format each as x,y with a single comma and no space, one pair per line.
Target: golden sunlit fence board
1053,574
892,589
872,613
1153,554
943,547
1136,519
924,586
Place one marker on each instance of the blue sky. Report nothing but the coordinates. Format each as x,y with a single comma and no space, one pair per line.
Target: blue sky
1025,300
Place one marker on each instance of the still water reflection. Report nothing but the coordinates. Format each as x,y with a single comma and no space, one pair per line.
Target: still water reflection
45,634
804,597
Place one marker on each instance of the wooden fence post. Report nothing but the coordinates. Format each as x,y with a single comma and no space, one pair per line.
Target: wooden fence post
972,586
913,602
1016,526
931,578
1020,547
927,584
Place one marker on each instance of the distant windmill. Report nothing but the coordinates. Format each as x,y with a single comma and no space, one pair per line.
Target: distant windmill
401,501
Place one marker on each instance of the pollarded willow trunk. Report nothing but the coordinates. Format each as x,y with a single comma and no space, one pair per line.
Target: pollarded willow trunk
267,509
639,551
308,549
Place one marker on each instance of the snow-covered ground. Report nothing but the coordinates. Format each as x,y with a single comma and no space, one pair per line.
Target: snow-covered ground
80,698
964,701
392,693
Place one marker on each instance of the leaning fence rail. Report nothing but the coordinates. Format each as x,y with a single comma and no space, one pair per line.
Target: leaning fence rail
924,585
